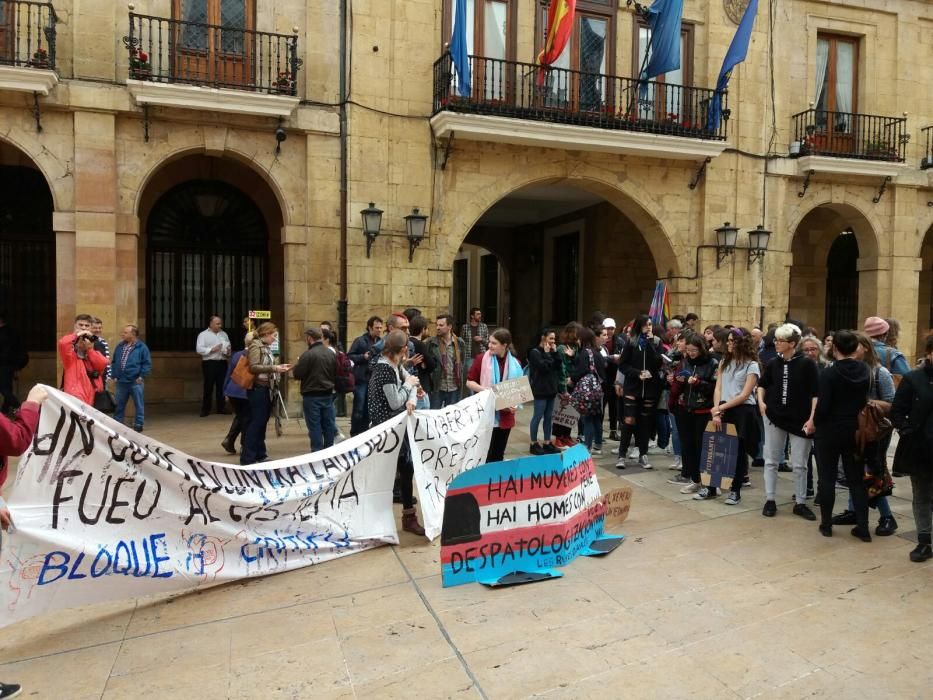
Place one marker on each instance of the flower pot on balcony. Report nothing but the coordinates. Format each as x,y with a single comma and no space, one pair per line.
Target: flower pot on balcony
141,73
40,59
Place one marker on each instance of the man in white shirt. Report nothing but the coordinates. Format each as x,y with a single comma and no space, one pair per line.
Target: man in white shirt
214,348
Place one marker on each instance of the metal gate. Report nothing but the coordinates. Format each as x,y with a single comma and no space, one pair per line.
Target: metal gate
207,254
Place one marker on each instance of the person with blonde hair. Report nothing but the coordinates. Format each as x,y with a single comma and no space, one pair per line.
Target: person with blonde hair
787,403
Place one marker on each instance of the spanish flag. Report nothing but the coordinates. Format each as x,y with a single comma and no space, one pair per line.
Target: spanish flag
559,27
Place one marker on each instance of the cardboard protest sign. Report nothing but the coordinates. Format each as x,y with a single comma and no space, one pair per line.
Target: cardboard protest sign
566,416
618,503
446,443
512,392
511,522
718,456
103,513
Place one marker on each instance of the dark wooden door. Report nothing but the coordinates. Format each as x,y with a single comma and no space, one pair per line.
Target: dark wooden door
213,42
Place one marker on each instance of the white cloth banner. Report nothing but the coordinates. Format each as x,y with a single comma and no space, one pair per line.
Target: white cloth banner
104,513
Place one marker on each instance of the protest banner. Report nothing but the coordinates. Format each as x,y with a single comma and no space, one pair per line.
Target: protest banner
104,513
446,443
512,392
567,416
719,452
618,503
511,522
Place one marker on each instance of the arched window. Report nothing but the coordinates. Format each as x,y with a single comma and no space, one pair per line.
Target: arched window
27,256
206,253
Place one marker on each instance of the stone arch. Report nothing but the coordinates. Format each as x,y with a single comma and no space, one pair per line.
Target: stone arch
623,194
292,211
812,294
57,174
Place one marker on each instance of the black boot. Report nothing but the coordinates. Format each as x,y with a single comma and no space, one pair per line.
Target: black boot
923,550
861,532
886,526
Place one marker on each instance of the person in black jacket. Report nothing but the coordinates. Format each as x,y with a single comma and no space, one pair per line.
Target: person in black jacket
589,361
361,352
843,392
639,383
787,402
544,377
425,367
696,381
912,415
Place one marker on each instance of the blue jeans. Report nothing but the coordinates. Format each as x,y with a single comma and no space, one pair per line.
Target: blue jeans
884,509
544,409
675,436
126,391
590,426
439,399
664,428
253,442
359,419
321,419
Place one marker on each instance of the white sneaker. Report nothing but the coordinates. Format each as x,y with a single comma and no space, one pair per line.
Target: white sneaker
596,451
643,462
632,453
690,488
703,494
655,450
677,463
620,463
733,498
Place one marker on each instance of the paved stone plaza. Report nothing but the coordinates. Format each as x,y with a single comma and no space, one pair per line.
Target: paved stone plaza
701,601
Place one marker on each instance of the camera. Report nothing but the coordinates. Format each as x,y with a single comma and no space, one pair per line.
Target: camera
86,336
93,374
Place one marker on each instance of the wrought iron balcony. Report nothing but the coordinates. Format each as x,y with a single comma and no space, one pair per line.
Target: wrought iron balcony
526,91
27,34
850,135
926,162
165,50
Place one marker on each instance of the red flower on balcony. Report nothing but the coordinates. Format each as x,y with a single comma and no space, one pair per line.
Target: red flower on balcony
40,58
140,69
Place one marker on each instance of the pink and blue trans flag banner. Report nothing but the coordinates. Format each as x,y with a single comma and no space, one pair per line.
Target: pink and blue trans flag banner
512,522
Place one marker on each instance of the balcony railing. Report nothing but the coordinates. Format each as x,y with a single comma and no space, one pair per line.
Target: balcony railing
27,34
525,91
849,135
926,162
176,51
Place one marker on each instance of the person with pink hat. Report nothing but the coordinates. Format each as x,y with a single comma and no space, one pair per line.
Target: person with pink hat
892,359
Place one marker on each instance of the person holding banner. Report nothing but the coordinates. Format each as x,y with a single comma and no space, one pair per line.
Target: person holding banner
392,390
694,383
566,351
16,435
734,402
266,372
496,365
543,375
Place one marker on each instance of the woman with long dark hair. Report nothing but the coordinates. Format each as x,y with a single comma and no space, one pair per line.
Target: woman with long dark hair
639,383
566,351
695,382
496,365
543,375
734,402
392,390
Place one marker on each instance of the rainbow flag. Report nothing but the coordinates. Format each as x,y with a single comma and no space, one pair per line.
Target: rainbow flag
660,311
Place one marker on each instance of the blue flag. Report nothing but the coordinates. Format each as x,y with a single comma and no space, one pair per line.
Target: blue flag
459,53
664,19
737,52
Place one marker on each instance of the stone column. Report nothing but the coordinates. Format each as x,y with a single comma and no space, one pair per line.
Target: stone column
95,246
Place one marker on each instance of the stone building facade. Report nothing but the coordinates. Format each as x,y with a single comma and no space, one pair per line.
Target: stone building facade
156,193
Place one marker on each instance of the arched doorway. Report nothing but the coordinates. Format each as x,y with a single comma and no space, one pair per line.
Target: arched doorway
206,253
210,243
826,290
27,253
925,292
559,251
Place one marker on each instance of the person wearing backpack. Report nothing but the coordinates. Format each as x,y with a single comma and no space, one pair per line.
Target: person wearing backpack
587,376
912,415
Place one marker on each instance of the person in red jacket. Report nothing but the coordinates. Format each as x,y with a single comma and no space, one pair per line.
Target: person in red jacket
84,366
15,437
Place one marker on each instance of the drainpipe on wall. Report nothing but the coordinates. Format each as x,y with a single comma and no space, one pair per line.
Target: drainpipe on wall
342,299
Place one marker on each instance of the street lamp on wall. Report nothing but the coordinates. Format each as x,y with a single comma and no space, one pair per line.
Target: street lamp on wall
726,237
757,244
372,222
416,224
